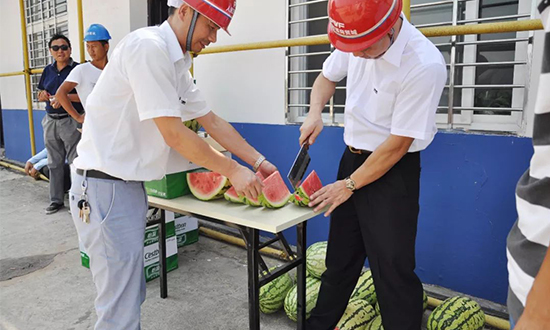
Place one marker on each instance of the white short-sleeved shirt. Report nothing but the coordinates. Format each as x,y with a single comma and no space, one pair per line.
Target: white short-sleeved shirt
86,76
147,77
396,94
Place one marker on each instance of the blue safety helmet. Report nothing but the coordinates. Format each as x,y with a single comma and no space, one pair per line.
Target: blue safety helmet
97,32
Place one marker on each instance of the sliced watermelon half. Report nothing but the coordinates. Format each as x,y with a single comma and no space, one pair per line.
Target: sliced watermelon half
275,193
207,185
311,184
254,201
232,196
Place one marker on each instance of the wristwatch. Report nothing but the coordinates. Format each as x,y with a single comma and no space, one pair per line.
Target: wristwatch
350,184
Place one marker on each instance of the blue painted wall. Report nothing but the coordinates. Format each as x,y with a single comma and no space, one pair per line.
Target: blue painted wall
467,196
16,133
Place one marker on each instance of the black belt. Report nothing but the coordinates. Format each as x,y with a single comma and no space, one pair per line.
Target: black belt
58,116
96,174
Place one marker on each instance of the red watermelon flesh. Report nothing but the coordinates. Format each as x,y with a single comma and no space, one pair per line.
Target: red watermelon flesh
254,201
275,193
310,185
207,185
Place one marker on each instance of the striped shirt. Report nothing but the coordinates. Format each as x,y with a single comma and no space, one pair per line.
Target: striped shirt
529,238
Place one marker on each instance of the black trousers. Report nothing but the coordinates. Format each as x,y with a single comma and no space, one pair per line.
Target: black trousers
379,221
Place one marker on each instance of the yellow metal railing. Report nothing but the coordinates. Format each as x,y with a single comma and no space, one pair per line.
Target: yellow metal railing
515,26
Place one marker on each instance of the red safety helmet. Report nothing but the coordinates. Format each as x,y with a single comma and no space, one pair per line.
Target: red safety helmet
218,11
355,25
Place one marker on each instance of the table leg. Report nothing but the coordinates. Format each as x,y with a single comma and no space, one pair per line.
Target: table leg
301,275
162,255
253,279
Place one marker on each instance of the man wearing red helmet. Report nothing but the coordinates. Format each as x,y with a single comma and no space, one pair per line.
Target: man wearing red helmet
134,118
395,77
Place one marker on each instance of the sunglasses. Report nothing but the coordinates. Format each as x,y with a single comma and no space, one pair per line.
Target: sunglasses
62,47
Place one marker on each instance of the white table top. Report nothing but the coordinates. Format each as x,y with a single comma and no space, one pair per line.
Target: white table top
270,220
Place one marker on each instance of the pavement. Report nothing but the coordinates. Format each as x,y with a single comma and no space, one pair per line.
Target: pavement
43,285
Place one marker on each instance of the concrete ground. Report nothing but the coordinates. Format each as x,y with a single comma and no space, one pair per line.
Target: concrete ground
43,286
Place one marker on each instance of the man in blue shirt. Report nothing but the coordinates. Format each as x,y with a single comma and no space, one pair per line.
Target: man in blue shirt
60,130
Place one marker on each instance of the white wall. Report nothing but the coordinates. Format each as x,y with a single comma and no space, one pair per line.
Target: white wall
12,89
248,86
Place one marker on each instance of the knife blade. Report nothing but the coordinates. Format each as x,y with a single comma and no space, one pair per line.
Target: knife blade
299,166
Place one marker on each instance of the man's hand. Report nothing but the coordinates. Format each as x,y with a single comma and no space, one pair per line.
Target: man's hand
34,173
311,128
245,182
266,168
54,102
28,167
80,118
333,194
43,96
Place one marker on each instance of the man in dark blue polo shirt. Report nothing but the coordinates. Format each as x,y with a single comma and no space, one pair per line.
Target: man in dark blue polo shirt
60,130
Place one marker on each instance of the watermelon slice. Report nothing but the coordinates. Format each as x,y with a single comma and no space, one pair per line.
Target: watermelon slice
232,196
254,201
275,193
311,184
207,185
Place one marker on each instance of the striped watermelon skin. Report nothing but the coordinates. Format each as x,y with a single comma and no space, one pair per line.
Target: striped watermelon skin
457,313
312,293
357,315
375,324
273,294
364,289
315,259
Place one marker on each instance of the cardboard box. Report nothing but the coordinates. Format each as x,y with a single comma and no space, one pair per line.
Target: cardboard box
151,250
174,184
187,229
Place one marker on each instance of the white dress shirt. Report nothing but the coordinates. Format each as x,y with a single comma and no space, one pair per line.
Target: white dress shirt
396,94
147,77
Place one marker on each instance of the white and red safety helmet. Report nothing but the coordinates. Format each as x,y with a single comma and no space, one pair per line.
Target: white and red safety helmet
218,11
355,25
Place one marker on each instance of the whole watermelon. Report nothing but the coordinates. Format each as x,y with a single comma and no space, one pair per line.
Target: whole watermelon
364,289
375,324
357,315
272,294
312,293
315,259
457,313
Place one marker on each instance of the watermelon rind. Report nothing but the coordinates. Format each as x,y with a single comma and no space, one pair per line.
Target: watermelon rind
315,259
457,313
274,186
375,324
216,193
312,293
273,294
357,315
364,289
231,195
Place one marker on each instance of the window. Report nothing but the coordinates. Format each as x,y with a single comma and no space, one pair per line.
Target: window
44,19
487,73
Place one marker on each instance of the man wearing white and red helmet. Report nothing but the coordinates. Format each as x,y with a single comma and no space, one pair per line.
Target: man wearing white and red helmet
395,78
134,119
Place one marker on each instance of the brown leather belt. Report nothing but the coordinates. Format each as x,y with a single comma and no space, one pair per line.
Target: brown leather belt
359,151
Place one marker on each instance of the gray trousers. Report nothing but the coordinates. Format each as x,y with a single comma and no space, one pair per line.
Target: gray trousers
61,139
113,239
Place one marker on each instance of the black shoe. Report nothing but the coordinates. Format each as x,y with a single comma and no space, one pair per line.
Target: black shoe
54,207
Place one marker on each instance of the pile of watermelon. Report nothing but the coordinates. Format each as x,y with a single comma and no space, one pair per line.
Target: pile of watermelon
208,186
273,294
193,125
457,313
